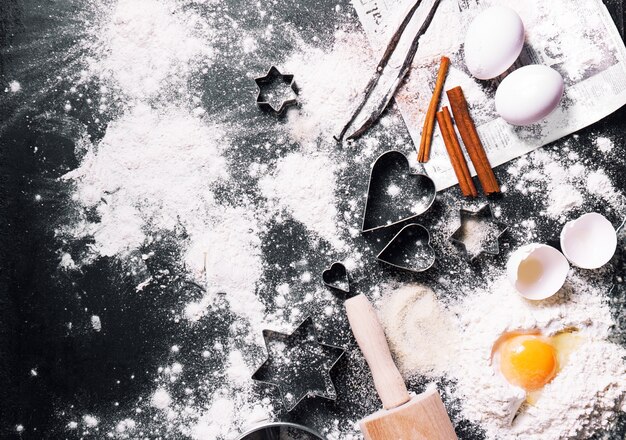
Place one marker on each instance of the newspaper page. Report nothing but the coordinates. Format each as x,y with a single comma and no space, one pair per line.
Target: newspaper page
576,37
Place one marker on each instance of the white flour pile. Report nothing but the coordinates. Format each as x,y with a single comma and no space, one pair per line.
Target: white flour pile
148,47
294,186
585,396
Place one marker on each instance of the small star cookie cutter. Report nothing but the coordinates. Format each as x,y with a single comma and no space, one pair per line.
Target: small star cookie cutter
263,82
296,373
484,213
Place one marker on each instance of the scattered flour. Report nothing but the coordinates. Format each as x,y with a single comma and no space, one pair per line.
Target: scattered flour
15,86
604,144
161,399
303,184
144,51
96,324
90,421
331,80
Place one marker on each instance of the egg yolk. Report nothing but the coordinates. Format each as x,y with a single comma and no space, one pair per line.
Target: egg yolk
528,361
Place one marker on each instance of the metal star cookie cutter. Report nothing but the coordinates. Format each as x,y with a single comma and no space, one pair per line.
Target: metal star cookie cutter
485,213
307,375
262,82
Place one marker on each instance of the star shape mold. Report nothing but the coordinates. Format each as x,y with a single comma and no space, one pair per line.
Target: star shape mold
479,232
276,91
298,364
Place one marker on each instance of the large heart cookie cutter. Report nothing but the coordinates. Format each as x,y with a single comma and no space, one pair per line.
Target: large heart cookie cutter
393,185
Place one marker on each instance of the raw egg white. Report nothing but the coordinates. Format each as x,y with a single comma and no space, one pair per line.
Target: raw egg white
493,42
529,94
537,271
590,241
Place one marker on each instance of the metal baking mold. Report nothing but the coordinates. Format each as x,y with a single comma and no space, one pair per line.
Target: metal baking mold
393,185
280,430
272,76
490,242
409,249
296,371
337,277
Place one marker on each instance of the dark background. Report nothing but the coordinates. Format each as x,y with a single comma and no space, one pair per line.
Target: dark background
80,371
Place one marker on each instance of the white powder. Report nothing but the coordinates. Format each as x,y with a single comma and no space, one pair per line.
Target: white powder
161,399
330,80
145,44
90,421
303,184
123,175
96,324
413,318
126,425
599,184
604,144
563,198
15,86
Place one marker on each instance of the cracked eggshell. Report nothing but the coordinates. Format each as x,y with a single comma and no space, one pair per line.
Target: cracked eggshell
529,94
493,42
537,271
590,241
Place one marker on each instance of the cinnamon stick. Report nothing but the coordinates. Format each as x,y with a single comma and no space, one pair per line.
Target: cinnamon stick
455,153
474,147
429,123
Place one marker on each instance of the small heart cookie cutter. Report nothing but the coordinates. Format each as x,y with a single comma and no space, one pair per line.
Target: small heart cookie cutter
337,277
380,200
412,242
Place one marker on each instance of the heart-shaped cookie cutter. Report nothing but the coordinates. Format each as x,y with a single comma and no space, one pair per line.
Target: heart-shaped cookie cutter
411,243
384,186
337,277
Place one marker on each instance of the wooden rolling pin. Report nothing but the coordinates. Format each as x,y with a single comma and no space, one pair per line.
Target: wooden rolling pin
422,417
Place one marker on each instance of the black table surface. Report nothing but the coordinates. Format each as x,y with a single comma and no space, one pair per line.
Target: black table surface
82,372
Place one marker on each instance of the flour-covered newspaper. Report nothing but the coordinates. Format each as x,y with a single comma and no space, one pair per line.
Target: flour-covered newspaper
576,37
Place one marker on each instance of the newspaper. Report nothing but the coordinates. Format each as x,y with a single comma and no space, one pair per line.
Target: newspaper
578,38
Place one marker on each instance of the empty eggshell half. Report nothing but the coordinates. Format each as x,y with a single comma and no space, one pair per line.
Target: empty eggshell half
590,241
493,42
537,271
529,94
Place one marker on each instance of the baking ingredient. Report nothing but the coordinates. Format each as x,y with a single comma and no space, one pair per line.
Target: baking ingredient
413,317
457,159
469,134
527,361
529,94
303,185
589,241
537,271
382,87
429,122
493,42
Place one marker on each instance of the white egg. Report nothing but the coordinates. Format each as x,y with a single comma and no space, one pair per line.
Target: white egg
493,42
537,270
590,241
529,94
